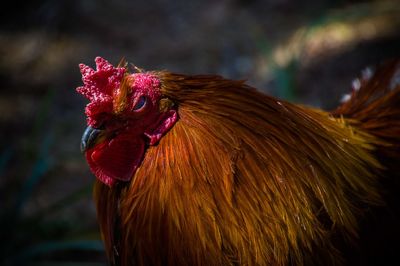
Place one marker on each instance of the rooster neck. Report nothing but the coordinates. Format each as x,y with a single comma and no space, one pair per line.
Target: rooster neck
242,178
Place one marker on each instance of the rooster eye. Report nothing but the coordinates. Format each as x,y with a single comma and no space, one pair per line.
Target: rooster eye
140,103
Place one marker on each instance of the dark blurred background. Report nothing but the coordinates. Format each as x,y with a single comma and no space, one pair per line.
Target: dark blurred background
306,52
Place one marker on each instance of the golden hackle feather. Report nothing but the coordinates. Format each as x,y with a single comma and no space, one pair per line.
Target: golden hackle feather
120,95
241,179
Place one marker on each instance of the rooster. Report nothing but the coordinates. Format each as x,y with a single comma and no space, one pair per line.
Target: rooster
201,170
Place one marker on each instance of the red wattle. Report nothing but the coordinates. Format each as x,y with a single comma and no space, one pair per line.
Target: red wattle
117,159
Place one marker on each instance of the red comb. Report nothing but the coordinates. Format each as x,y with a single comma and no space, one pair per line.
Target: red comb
99,86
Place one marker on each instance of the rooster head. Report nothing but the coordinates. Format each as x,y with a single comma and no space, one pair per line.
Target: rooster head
126,114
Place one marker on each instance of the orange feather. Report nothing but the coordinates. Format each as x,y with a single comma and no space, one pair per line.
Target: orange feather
246,179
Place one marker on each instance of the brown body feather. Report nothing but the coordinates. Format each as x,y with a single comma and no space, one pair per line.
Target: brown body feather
245,179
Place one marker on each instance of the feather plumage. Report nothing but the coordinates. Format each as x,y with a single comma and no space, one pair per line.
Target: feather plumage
245,179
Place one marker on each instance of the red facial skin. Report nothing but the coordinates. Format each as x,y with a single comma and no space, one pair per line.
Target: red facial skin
129,132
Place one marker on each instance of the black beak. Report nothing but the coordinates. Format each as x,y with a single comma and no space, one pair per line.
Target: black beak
89,138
